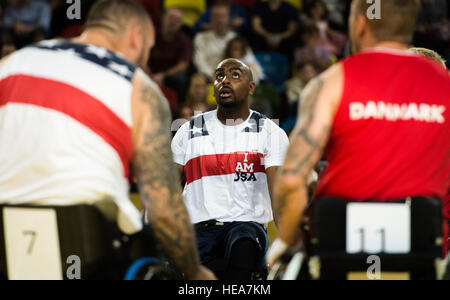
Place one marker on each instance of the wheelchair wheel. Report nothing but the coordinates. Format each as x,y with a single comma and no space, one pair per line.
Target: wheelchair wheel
152,269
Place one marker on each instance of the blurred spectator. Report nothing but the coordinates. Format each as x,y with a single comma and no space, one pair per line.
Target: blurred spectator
7,45
294,86
172,53
317,15
248,4
433,15
192,10
185,112
200,108
238,48
337,13
275,24
27,21
313,52
153,8
197,93
433,28
238,18
209,46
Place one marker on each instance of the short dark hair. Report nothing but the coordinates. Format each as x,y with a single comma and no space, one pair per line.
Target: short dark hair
398,19
115,15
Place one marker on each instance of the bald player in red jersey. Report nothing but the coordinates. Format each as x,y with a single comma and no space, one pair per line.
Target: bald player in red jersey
381,117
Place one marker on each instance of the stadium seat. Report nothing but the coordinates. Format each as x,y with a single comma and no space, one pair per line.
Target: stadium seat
210,99
192,9
296,3
275,66
329,252
48,238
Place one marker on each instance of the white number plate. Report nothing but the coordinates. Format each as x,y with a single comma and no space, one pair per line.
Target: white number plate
32,244
378,227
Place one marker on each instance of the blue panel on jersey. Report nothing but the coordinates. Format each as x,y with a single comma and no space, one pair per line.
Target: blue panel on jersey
256,123
197,127
100,56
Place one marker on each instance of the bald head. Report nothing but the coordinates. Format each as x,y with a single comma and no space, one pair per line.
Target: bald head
239,64
395,23
122,26
117,15
430,54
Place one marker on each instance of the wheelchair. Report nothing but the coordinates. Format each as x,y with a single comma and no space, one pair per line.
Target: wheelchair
329,252
217,266
75,242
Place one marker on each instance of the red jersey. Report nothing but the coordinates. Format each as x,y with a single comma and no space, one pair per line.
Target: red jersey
391,133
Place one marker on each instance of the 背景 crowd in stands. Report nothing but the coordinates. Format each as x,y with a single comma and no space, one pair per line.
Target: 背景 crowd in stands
285,43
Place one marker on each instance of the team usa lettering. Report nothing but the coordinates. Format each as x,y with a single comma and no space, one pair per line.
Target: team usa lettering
245,171
245,177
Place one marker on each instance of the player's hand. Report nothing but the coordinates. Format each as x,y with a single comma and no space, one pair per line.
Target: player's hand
276,251
204,273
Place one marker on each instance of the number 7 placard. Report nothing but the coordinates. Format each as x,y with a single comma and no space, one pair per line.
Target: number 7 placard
32,244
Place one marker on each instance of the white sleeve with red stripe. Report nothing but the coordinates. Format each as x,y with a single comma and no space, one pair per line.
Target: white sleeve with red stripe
276,147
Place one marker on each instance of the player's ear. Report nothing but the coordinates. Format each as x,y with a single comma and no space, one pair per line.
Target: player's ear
252,88
135,40
361,27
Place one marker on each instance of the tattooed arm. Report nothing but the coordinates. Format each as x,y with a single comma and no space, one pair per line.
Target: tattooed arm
319,103
158,178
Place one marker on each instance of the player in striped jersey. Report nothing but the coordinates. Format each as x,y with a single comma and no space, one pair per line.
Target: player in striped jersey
230,157
75,114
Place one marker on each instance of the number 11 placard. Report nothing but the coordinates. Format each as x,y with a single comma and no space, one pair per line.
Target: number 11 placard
378,228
